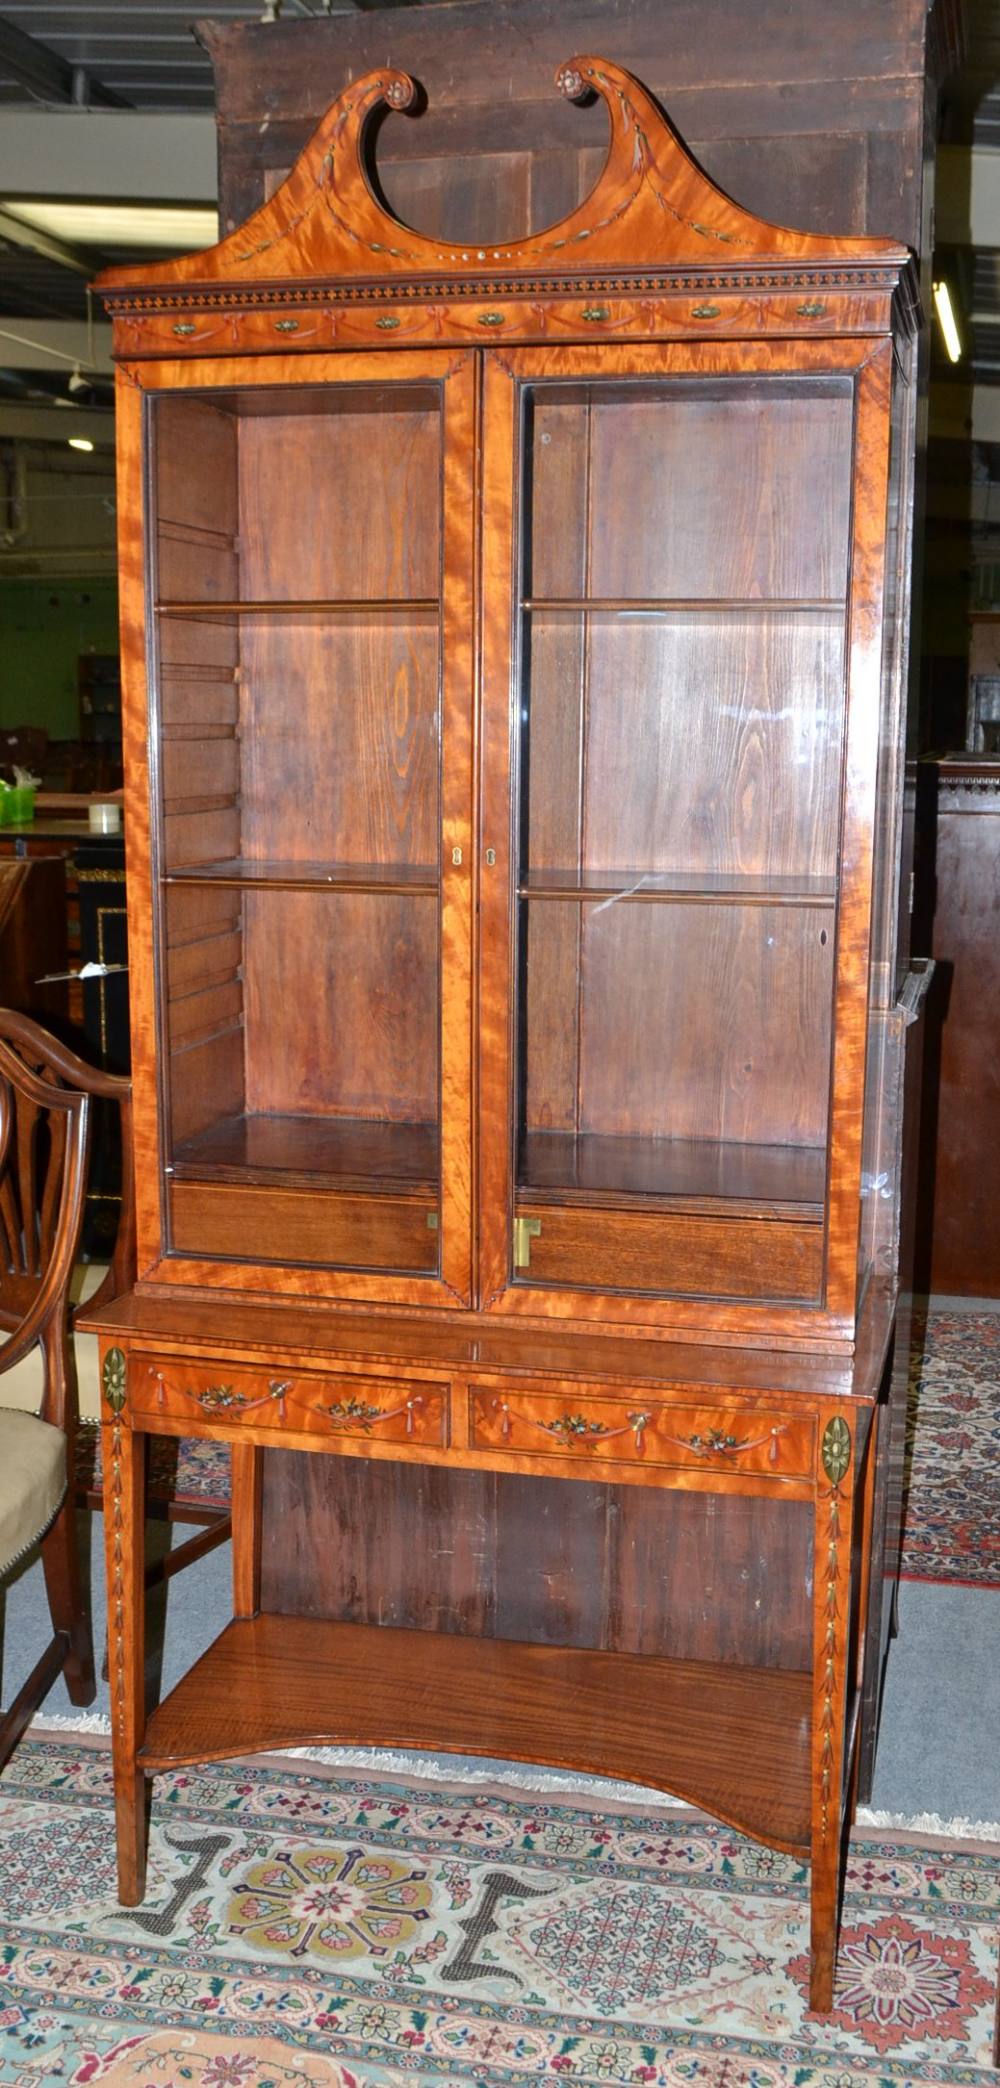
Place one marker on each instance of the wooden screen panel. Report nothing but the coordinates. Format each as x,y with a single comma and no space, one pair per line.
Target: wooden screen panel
744,492
342,998
693,1021
341,741
343,502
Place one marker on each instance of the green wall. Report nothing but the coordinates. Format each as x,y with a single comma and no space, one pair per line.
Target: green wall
44,625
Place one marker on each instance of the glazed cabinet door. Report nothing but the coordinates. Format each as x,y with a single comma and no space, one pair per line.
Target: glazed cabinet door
299,695
676,879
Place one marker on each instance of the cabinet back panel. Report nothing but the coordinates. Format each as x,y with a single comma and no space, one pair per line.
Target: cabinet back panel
546,1561
341,996
341,741
742,493
713,744
703,1022
340,504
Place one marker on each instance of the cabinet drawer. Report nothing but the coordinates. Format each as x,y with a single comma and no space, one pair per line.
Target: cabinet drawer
637,1430
670,1254
380,1410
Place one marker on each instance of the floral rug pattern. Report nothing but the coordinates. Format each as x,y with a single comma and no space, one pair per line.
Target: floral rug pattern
951,1525
951,1529
303,1931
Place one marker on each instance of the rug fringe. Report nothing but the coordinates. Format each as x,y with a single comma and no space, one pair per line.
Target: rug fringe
387,1761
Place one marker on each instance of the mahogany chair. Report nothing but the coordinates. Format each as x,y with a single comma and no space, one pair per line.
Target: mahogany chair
45,1107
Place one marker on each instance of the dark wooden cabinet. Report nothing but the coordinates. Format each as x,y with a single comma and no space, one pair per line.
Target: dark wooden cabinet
513,641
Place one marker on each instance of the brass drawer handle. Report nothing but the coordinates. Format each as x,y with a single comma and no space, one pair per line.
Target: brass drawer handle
812,309
286,326
347,1413
492,319
574,1428
185,326
706,311
596,312
387,322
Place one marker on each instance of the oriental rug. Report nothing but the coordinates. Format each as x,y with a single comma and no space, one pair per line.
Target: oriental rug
951,1528
305,1930
951,1523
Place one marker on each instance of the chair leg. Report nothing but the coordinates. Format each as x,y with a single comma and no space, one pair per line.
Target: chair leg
70,1612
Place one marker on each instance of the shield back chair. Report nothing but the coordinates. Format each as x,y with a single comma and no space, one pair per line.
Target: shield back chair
45,1108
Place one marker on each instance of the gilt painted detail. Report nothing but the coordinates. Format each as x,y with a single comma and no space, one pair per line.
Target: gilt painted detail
113,1379
360,1414
717,1442
113,1375
828,1707
574,1428
219,1398
835,1449
225,1399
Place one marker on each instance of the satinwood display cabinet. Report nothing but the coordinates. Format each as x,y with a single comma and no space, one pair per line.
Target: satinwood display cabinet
513,651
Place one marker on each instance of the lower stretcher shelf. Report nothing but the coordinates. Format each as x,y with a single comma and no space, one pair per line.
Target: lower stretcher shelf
734,1740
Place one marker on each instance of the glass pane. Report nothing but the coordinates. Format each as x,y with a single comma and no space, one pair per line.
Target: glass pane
297,669
683,577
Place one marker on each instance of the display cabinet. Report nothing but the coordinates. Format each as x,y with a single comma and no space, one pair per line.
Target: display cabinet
513,646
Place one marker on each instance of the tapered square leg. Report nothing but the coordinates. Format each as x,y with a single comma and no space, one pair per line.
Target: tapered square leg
247,1494
124,1523
832,1552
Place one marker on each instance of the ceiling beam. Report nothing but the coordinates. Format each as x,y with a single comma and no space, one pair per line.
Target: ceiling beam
92,155
36,66
14,232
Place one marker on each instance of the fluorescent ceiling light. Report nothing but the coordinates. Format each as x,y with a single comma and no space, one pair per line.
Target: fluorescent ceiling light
182,228
80,442
946,321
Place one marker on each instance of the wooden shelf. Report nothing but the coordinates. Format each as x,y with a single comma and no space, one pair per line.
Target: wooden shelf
411,881
354,1154
678,887
383,606
752,1180
672,605
732,1739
